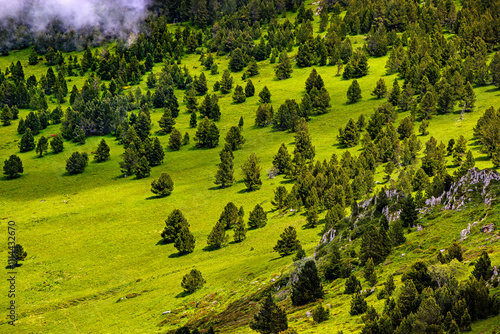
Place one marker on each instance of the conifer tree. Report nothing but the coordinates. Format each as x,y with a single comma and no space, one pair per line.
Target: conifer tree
249,89
358,304
308,287
192,281
468,98
167,122
229,215
369,273
409,212
380,89
280,195
226,83
265,95
482,267
282,161
217,237
251,173
264,115
102,151
192,120
349,136
237,61
143,126
157,154
57,144
175,140
354,92
130,160
13,166
163,186
27,142
253,69
76,163
173,225
239,230
271,319
257,218
224,176
284,68
200,84
312,217
185,139
6,115
395,93
239,96
234,138
352,285
288,243
42,146
142,169
184,242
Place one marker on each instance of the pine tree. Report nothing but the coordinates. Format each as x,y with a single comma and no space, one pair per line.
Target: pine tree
142,169
284,68
264,115
395,93
265,95
249,89
282,161
288,243
102,151
271,319
468,98
257,218
6,115
57,144
13,167
389,286
483,268
27,142
163,186
157,153
143,126
42,146
234,138
280,195
358,304
76,163
129,161
380,89
192,120
173,225
225,171
239,96
226,83
303,143
251,173
217,237
312,217
229,215
175,140
192,281
184,242
369,273
237,61
200,84
185,139
409,212
167,122
239,230
308,287
354,92
352,285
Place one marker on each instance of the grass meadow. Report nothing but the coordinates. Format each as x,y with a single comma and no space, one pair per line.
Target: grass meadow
93,238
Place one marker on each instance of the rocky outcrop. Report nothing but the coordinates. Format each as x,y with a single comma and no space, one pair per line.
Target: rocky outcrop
476,183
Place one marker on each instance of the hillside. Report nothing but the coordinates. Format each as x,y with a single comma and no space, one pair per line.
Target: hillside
96,258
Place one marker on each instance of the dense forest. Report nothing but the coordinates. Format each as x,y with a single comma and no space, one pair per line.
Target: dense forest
266,76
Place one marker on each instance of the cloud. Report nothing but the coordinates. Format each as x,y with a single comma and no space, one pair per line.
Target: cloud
112,16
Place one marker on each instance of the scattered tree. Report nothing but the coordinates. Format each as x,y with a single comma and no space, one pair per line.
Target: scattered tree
192,281
163,186
13,167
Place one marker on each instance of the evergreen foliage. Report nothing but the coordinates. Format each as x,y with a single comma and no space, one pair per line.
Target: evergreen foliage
77,162
288,243
251,173
192,281
163,186
271,318
12,167
257,218
308,287
102,151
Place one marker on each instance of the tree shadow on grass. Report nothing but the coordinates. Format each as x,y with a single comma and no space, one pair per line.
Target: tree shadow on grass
276,258
175,255
13,267
162,242
182,294
155,197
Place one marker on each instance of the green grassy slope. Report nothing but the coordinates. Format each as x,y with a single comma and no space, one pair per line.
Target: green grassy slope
92,238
